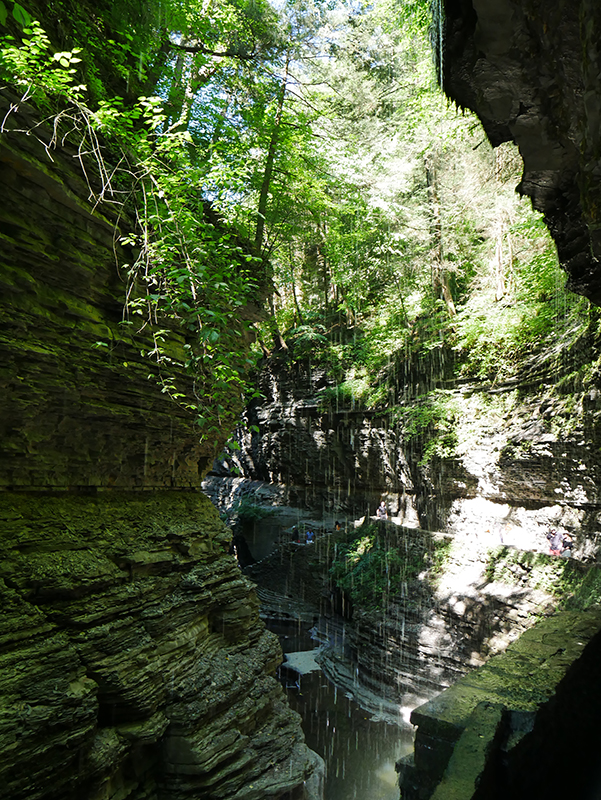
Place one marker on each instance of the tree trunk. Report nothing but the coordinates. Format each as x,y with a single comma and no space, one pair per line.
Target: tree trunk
293,281
440,276
500,287
278,339
269,162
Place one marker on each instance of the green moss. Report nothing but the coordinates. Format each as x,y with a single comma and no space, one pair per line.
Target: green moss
559,577
431,424
588,593
373,567
115,522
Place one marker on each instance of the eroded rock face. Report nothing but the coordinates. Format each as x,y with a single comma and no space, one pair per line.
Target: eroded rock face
80,405
339,461
133,659
133,662
531,72
488,735
526,459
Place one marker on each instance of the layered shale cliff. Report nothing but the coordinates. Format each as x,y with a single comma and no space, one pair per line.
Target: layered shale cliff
468,528
133,662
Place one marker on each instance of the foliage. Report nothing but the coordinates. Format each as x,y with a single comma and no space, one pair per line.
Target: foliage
373,571
410,238
588,593
18,13
430,424
188,272
560,577
36,69
305,153
496,336
248,512
307,340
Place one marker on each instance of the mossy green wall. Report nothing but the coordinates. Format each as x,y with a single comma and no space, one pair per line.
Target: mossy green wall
81,407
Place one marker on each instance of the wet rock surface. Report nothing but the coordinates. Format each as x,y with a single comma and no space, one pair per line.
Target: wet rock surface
423,639
486,736
526,456
133,662
133,659
326,460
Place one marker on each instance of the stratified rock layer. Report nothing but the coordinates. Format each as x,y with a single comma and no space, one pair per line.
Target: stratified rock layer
133,661
81,405
492,734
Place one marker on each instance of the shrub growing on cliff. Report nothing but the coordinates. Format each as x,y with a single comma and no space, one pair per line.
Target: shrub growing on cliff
429,425
371,571
495,334
557,576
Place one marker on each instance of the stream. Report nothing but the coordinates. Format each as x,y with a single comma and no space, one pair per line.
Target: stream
359,747
359,750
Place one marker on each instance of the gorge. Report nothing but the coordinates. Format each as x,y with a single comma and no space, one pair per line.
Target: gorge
135,660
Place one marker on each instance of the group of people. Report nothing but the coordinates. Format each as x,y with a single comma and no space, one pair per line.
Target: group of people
302,535
560,544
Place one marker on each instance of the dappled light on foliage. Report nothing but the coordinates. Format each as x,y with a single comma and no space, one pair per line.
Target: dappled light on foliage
306,154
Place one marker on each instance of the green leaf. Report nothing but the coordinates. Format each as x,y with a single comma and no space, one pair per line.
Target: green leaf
23,17
3,14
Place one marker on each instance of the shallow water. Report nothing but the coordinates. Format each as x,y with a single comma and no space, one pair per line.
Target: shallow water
359,752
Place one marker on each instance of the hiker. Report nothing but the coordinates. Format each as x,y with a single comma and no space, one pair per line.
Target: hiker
381,512
567,546
559,543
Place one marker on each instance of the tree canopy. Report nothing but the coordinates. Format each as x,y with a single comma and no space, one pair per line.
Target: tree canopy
300,152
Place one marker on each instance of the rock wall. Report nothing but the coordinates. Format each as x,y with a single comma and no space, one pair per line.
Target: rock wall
526,459
490,734
337,461
468,602
81,406
133,661
531,72
526,455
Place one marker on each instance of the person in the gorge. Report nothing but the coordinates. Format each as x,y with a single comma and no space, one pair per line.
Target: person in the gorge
567,546
382,513
559,542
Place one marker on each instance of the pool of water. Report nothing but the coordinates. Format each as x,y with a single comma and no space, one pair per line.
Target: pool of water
359,751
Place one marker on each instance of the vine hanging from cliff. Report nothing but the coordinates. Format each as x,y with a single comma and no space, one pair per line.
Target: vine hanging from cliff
189,275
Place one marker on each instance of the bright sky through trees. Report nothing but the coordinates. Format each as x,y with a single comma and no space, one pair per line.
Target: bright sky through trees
374,216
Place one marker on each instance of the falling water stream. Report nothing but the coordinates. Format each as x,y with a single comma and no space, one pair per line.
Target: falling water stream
359,750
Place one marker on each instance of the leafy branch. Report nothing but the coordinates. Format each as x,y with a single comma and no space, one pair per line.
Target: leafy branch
191,283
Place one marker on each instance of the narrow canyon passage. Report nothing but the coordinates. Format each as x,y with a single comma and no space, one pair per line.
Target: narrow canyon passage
360,752
300,336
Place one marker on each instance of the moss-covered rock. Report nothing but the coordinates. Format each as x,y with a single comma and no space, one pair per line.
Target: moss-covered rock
133,655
